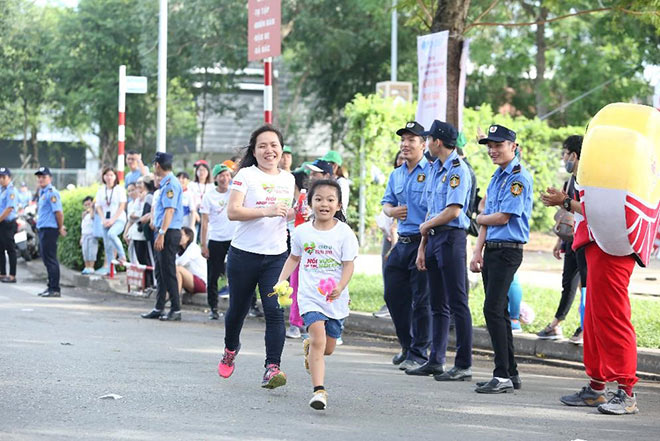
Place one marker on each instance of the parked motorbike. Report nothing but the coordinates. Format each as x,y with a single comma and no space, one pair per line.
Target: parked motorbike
26,237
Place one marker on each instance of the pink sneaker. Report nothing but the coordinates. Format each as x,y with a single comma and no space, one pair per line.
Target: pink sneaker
273,377
226,365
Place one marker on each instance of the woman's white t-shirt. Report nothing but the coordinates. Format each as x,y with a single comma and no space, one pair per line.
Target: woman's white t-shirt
198,191
193,261
321,256
264,235
109,199
135,208
220,228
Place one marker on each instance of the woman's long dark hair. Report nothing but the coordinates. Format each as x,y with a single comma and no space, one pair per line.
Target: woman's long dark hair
330,183
208,175
189,233
249,159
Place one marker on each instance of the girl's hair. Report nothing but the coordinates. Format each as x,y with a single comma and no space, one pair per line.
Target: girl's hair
106,170
301,179
340,172
329,183
149,185
249,159
396,159
88,198
208,175
188,233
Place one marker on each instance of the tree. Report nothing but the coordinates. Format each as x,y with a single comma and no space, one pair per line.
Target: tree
518,39
338,49
24,72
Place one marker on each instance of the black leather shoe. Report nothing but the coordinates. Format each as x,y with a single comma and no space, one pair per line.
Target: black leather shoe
172,316
455,374
427,369
400,357
8,280
215,315
153,314
45,291
517,384
52,294
495,386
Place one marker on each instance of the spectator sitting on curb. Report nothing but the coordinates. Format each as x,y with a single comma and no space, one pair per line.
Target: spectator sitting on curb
190,264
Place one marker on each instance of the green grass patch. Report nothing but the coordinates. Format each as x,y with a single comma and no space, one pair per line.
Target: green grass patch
367,295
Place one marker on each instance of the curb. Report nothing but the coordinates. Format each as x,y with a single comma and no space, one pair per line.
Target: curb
527,346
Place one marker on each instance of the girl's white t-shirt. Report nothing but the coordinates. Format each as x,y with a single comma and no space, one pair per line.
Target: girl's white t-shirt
264,235
214,204
193,261
321,256
109,199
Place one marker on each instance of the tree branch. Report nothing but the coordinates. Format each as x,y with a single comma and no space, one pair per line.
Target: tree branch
561,17
486,11
428,18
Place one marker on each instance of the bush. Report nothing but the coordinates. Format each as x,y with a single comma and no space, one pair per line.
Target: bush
69,251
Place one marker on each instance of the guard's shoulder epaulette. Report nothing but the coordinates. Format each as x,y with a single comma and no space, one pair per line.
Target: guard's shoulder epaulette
456,162
517,168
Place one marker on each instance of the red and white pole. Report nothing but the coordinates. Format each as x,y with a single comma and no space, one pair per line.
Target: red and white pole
121,131
268,90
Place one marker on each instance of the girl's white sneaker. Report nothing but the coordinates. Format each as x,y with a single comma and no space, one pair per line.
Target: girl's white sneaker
319,400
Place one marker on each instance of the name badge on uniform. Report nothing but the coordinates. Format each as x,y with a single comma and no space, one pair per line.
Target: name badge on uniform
517,188
170,194
421,177
444,178
454,181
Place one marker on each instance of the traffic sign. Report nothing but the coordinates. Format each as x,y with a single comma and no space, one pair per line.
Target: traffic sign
264,23
136,84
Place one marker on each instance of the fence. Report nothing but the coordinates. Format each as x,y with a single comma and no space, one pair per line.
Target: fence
62,177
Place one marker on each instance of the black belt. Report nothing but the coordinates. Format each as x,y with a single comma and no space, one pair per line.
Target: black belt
516,245
410,239
435,230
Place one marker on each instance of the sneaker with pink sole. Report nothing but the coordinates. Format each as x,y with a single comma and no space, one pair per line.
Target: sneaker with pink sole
226,365
273,377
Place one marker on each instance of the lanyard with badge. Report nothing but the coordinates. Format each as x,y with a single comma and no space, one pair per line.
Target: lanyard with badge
108,200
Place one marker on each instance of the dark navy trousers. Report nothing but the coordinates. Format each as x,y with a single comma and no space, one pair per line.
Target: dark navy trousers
407,298
48,250
447,267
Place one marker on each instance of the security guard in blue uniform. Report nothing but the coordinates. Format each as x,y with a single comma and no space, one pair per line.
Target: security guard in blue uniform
504,228
8,209
50,224
168,219
443,253
406,289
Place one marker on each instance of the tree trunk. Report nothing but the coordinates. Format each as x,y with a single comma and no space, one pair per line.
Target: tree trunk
25,130
35,145
451,16
541,47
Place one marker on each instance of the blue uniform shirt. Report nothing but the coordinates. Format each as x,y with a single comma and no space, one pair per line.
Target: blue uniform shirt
510,191
49,203
169,197
404,188
132,177
9,198
449,184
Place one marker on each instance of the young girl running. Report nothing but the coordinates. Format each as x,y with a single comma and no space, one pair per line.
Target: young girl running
325,249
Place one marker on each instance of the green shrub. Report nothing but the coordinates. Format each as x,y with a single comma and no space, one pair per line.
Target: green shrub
69,251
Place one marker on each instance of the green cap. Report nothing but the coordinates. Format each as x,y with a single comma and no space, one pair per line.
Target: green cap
461,140
219,168
287,149
333,156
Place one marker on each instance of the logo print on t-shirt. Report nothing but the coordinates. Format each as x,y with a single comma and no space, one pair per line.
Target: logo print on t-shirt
268,187
309,247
